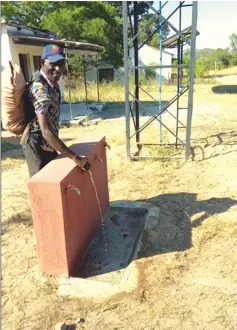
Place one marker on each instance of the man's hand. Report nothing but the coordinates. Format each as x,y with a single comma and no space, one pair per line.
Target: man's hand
58,144
83,163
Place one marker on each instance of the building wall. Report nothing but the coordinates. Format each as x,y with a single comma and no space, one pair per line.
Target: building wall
91,75
147,56
31,51
7,51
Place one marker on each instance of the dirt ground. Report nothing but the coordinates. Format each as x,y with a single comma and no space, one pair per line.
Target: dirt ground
190,270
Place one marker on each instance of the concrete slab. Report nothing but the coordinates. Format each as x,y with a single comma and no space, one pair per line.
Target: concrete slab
105,274
79,110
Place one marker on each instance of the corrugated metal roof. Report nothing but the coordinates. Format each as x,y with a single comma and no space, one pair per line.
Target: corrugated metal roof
14,28
71,46
172,41
27,35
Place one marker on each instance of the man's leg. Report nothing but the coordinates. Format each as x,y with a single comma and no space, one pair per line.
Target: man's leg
36,157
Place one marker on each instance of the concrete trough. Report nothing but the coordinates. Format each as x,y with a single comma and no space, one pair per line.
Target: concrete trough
111,266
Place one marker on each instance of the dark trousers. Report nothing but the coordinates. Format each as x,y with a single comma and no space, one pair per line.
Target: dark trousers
36,157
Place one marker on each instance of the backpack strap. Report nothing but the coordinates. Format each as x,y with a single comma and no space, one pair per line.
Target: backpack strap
26,130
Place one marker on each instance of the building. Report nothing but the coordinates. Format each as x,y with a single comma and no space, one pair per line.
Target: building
24,45
147,56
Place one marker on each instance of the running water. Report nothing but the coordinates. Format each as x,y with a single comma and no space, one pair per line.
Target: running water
99,206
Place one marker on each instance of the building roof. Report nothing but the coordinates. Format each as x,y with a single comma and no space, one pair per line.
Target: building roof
72,47
171,42
17,28
26,35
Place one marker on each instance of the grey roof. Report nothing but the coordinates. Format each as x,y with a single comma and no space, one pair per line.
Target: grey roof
26,35
68,44
171,42
23,30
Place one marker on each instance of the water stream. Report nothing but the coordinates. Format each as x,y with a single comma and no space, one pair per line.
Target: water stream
101,214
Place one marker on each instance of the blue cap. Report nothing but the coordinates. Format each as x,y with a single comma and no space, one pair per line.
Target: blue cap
54,53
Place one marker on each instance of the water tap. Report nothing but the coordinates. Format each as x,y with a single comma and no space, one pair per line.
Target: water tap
99,159
107,145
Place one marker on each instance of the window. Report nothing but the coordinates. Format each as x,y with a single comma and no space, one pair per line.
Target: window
106,74
36,60
23,59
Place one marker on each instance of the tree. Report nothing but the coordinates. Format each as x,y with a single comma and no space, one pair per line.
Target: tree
27,12
97,22
221,56
89,21
142,6
202,67
145,28
148,26
233,60
233,42
85,21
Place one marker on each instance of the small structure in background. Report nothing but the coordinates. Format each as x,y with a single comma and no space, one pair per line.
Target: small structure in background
147,56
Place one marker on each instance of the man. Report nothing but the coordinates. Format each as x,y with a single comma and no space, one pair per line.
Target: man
40,140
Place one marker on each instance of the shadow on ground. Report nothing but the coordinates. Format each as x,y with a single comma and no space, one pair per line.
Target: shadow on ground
117,109
23,218
224,139
10,143
11,148
225,89
174,230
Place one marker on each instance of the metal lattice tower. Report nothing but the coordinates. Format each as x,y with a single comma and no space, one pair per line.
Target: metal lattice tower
180,38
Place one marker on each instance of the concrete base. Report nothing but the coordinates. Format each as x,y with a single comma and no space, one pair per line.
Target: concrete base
105,274
82,113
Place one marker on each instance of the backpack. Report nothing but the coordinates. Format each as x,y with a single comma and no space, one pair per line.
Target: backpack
17,110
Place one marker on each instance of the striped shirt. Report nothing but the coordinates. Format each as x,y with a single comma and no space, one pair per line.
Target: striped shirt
45,98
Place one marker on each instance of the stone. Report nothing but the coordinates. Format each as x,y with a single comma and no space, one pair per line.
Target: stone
80,320
60,326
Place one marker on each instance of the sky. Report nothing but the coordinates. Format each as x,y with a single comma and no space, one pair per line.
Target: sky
217,20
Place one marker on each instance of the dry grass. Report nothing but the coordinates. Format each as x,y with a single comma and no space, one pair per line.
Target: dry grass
226,71
190,267
114,92
111,92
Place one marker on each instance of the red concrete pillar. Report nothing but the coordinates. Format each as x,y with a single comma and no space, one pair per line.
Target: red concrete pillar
65,222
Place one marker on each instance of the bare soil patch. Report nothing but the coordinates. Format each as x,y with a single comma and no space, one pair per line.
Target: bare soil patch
189,272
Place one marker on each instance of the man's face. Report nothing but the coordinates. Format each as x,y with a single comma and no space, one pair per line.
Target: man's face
53,70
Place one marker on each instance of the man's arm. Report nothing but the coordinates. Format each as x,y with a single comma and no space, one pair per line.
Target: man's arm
58,144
